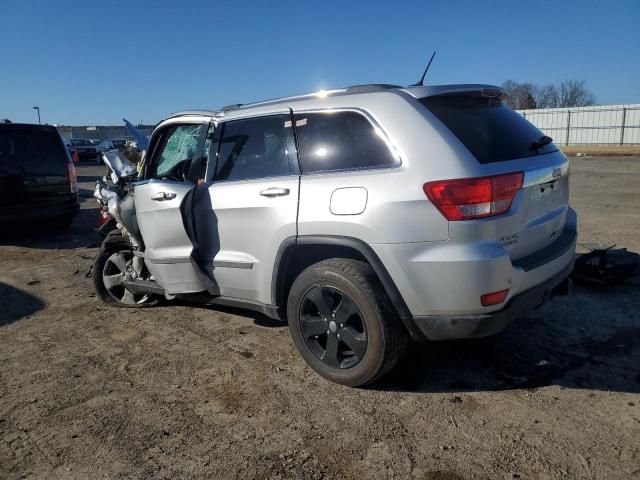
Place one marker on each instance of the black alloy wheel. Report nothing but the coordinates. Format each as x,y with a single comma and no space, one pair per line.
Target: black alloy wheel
333,327
342,323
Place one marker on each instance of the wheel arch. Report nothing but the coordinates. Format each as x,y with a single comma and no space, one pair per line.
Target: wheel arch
113,239
297,253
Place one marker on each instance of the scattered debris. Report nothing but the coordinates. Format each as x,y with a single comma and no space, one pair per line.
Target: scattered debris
453,421
607,266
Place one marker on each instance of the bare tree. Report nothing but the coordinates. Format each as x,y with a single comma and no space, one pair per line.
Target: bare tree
546,96
510,87
573,93
521,96
524,96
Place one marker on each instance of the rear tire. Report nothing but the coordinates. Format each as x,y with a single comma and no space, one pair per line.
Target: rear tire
343,324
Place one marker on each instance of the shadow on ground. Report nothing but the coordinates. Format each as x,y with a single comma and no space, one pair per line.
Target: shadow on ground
257,318
581,341
598,349
46,235
16,304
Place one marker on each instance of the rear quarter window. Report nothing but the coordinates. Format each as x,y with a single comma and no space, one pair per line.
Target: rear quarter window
32,150
340,141
491,131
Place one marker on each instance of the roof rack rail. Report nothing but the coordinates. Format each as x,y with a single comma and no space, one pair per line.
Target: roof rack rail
233,106
365,88
370,87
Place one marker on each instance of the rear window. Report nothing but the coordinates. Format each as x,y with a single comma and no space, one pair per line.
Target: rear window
32,150
489,129
340,141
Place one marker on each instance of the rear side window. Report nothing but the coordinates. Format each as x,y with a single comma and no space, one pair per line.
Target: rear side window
489,129
31,150
340,141
256,148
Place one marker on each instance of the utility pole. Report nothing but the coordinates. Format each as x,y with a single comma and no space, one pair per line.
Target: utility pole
38,109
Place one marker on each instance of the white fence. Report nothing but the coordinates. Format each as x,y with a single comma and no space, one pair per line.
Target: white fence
606,124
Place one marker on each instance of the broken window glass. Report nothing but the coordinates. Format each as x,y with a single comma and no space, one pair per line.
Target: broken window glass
179,147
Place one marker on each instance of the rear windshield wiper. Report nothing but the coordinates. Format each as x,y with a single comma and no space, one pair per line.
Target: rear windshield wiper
541,142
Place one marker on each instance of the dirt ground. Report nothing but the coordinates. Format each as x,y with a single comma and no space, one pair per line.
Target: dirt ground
88,391
601,150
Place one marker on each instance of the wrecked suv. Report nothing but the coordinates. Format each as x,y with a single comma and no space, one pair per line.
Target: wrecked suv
364,217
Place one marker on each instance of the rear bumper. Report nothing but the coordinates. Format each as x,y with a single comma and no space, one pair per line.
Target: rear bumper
56,208
448,327
441,283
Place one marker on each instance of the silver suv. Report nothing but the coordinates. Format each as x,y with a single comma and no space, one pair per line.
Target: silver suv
365,217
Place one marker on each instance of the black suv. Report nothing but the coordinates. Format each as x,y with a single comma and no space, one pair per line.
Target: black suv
37,177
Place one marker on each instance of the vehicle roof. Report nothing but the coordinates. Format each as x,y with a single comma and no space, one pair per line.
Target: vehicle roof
33,125
320,98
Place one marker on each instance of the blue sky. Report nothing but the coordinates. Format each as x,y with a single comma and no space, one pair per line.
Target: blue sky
94,62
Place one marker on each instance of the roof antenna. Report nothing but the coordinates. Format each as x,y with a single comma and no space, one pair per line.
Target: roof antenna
420,82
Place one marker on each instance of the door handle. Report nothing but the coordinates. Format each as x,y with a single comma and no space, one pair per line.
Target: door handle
275,192
161,196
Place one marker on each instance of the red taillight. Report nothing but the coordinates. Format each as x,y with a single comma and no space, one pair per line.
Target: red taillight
72,178
468,198
494,298
103,218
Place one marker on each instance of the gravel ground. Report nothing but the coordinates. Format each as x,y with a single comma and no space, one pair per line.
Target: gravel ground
88,391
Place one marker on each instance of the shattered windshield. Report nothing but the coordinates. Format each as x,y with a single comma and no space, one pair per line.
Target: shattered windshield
180,146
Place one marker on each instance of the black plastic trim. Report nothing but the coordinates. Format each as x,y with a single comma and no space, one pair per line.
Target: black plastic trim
279,267
207,299
143,286
363,249
268,310
450,327
549,253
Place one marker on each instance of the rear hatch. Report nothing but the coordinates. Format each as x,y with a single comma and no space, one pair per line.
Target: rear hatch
33,165
502,142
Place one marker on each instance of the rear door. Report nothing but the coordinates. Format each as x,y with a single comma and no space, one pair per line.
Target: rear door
503,141
253,188
167,180
33,166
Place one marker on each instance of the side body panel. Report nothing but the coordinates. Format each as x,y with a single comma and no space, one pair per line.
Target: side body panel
167,246
395,210
158,200
250,227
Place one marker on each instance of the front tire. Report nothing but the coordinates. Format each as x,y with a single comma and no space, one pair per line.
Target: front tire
109,270
343,324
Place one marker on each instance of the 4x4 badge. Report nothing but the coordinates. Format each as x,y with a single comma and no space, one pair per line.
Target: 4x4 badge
557,172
